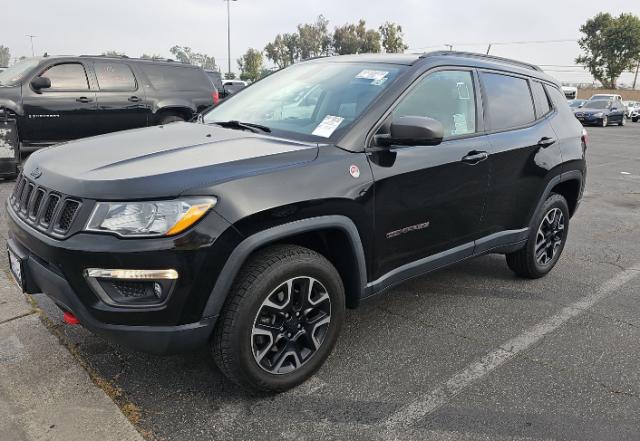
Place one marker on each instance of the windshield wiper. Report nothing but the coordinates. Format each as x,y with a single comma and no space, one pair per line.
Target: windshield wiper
234,124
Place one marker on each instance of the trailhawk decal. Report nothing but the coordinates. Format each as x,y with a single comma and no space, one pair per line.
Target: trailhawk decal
405,230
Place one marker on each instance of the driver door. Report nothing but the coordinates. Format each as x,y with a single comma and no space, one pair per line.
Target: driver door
430,199
62,112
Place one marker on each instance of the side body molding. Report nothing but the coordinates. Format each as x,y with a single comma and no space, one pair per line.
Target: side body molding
239,255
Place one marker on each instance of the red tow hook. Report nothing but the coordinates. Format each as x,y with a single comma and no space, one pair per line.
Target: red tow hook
70,319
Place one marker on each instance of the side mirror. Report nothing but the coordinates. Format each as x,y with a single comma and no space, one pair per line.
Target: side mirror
414,130
39,83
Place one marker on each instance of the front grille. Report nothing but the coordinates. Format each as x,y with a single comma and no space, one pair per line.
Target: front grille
42,208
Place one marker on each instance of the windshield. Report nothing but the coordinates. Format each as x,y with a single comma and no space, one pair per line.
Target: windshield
311,101
598,104
15,73
575,103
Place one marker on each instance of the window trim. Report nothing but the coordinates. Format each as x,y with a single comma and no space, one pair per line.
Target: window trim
479,113
50,66
100,89
546,94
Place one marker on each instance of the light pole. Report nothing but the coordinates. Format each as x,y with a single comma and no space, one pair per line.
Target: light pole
229,35
32,37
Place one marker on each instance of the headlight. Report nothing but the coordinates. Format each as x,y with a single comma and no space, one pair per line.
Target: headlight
148,219
598,115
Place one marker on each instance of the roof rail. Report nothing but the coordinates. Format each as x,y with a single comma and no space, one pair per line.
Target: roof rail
166,60
485,56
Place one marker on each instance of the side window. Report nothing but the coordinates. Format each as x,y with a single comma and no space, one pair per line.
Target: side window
540,99
175,78
114,76
508,101
447,96
67,76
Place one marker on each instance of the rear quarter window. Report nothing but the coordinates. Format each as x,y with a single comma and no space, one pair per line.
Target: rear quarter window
176,78
508,101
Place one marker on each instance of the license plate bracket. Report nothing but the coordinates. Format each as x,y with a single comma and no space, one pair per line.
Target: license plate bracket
16,266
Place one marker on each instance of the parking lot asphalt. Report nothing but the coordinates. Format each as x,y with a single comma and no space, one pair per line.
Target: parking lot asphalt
471,352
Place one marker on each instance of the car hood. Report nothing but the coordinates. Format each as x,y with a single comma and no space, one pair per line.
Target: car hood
160,162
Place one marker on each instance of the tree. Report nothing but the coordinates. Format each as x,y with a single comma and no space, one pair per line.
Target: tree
284,50
314,39
251,65
184,54
356,39
151,57
5,56
114,54
611,45
392,38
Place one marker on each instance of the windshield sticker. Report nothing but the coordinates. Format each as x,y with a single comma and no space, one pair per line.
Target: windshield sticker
328,125
375,75
379,82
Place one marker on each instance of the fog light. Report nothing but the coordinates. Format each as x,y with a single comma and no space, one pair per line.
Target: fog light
132,288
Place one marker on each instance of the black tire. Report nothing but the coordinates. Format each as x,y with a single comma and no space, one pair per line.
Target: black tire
634,119
170,118
524,262
234,341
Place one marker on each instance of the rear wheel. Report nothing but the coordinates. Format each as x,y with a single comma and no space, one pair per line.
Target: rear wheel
547,238
281,320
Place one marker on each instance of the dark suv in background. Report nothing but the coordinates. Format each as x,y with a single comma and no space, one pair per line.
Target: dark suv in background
60,98
254,227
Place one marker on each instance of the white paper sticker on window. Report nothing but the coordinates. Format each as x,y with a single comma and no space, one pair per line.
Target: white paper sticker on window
460,124
328,125
463,91
375,75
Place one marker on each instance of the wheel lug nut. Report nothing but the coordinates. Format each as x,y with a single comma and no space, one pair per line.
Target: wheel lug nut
289,334
299,326
297,314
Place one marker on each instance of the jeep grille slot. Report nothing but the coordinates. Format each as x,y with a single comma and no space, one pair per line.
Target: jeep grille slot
67,214
37,201
50,209
49,212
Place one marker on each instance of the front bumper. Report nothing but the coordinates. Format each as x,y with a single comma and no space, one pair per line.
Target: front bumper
55,268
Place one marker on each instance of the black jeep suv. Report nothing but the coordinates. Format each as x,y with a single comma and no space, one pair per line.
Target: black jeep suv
316,188
60,98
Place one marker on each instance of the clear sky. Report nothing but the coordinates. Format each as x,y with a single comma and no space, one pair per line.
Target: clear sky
153,26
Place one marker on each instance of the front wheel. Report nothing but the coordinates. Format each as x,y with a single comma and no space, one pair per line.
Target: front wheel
281,319
547,238
622,122
604,122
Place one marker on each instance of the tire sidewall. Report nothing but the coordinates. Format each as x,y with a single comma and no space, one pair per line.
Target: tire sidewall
553,201
324,272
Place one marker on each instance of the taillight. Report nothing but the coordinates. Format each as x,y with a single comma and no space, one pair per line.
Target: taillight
216,97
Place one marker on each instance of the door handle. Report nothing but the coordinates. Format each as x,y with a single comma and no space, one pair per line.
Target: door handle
134,99
474,157
546,141
83,99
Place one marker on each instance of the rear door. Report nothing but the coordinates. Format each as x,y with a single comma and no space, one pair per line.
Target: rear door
430,199
121,99
524,149
62,112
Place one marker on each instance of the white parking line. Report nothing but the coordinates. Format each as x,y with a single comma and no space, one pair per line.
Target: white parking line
478,369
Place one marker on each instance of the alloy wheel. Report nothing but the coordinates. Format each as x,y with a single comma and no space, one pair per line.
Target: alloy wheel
291,325
550,236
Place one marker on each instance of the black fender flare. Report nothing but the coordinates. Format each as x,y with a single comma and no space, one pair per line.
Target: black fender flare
240,254
570,175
